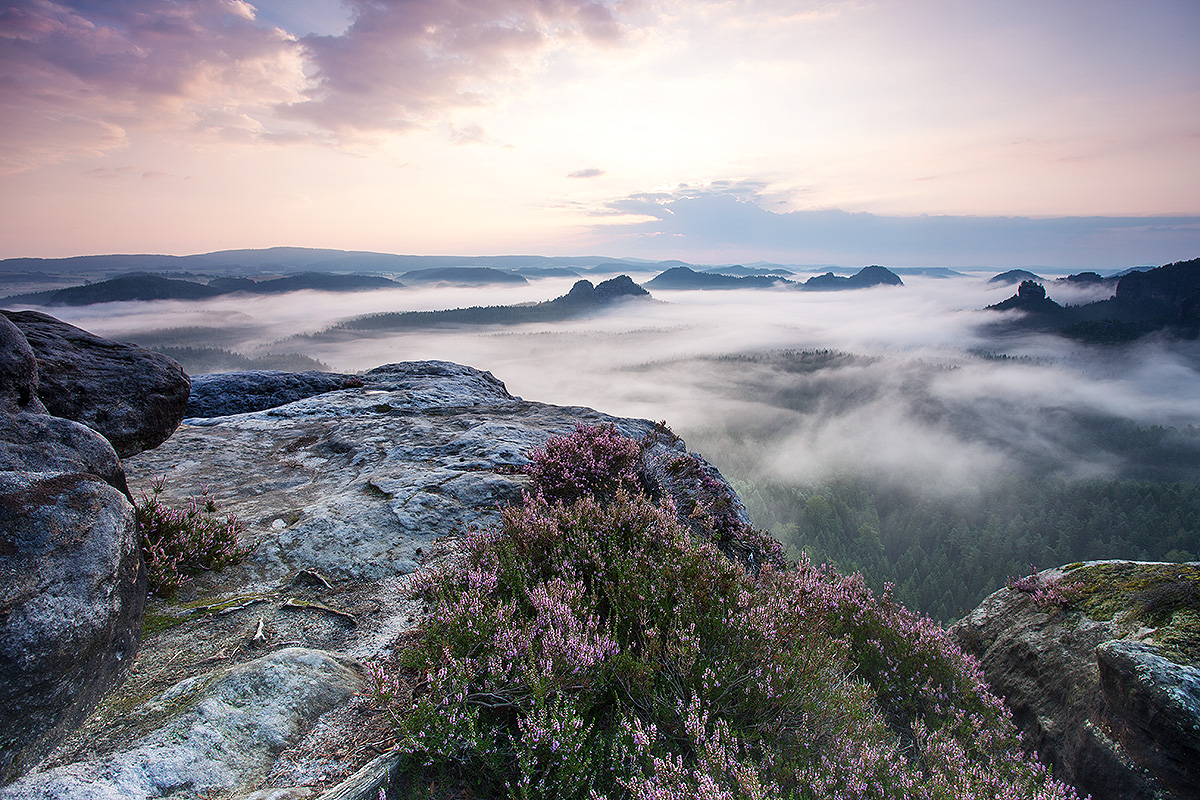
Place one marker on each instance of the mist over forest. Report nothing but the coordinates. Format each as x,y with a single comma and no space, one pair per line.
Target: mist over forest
894,430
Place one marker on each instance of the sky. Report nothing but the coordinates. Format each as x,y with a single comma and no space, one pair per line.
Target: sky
905,132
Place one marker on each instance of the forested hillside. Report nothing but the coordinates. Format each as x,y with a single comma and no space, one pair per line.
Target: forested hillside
944,556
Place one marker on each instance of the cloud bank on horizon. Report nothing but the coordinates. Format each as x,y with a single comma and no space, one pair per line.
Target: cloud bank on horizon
918,131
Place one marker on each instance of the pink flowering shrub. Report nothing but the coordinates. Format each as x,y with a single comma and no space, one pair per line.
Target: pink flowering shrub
593,461
1046,593
599,648
179,542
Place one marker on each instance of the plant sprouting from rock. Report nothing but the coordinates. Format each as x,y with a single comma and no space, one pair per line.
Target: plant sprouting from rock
593,461
179,542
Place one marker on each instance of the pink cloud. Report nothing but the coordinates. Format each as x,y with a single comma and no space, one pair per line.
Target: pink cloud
402,62
81,76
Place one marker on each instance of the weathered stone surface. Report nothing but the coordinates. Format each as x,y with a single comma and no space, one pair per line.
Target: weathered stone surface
217,732
224,393
18,372
358,485
40,443
1153,704
133,397
71,598
1086,694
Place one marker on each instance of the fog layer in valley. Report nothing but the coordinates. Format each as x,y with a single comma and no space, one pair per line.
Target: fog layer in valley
920,391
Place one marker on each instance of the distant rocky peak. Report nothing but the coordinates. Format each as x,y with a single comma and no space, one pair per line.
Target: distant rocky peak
1031,291
584,293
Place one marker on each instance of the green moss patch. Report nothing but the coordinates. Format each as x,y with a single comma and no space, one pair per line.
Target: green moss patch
1161,596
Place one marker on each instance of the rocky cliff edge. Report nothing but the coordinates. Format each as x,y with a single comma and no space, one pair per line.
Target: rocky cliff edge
1098,662
248,680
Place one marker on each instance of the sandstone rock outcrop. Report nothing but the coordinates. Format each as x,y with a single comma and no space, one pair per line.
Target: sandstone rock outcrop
133,397
1088,658
71,597
72,586
1152,705
215,731
18,372
347,496
41,443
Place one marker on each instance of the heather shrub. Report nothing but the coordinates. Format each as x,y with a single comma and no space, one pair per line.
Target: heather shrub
179,542
597,647
593,461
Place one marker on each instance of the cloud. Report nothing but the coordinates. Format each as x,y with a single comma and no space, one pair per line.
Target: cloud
401,64
716,219
590,172
81,76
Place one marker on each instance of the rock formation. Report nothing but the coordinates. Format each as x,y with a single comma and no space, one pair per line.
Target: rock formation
72,596
1164,299
686,278
583,299
1031,298
225,393
1014,276
133,397
347,495
30,439
71,584
1098,663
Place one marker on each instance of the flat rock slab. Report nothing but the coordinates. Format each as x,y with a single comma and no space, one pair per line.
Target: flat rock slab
358,483
216,732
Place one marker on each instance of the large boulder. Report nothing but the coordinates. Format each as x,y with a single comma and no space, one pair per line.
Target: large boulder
18,372
133,397
30,439
1098,663
72,592
41,443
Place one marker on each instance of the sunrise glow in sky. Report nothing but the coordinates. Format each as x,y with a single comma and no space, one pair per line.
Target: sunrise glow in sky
800,131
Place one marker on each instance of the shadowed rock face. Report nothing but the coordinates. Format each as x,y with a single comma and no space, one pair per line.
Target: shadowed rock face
1153,706
133,397
71,598
30,439
1097,698
224,393
18,372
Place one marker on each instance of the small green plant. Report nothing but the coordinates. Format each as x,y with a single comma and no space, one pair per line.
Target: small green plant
179,542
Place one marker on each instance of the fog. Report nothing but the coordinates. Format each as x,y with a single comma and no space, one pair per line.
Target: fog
920,387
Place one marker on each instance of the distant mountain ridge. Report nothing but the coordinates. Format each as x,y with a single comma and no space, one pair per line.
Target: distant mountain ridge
145,287
283,260
583,298
685,278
